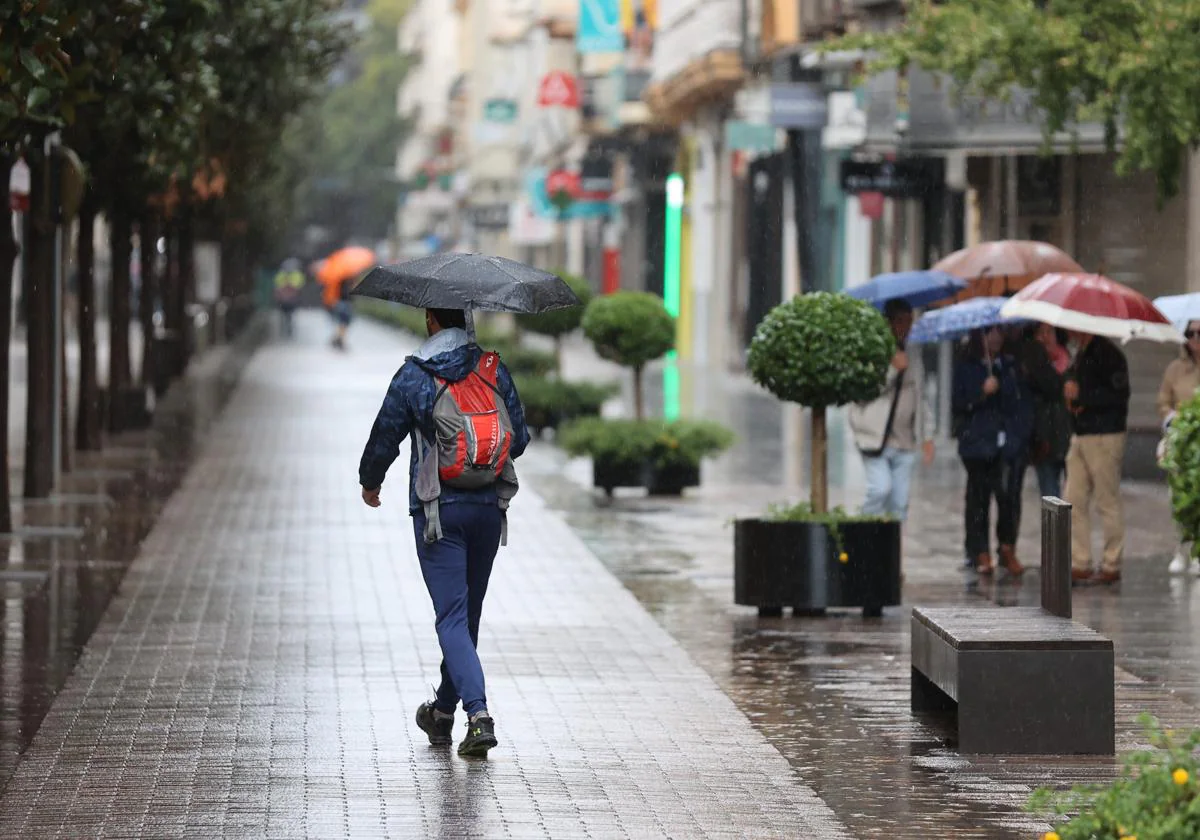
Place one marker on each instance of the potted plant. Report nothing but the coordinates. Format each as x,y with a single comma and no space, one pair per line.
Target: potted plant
662,456
560,323
551,402
819,350
633,329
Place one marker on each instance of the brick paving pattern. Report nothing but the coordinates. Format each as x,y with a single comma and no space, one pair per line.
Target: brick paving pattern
257,674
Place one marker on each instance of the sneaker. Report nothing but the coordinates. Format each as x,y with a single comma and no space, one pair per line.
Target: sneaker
481,736
439,726
1179,564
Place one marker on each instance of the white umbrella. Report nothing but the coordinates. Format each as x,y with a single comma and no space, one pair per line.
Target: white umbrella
1180,309
1092,304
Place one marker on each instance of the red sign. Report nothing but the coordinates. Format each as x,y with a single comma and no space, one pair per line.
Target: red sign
562,180
558,90
612,270
871,204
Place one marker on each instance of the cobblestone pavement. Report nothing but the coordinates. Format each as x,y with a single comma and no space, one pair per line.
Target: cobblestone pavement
257,673
832,694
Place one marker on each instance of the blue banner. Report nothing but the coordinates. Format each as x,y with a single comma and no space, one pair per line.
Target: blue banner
599,29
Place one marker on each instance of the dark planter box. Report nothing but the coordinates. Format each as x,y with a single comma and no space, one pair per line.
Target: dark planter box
795,564
671,480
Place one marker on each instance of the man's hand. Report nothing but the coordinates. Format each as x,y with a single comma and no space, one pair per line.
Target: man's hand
1071,389
990,386
371,497
927,452
900,361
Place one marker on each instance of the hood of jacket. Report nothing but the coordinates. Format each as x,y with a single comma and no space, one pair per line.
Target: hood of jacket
448,355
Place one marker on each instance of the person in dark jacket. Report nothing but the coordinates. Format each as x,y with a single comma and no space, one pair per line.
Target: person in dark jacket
1052,422
1097,393
993,432
456,567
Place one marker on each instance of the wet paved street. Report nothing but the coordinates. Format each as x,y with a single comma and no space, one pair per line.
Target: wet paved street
257,672
832,694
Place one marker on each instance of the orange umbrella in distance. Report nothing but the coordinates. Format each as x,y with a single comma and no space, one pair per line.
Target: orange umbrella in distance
1006,266
342,266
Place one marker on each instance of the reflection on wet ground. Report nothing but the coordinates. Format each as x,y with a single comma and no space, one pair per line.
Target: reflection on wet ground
69,553
832,694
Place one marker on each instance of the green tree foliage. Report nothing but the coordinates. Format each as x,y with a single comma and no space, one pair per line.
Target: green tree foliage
1182,463
342,150
818,350
1132,64
631,329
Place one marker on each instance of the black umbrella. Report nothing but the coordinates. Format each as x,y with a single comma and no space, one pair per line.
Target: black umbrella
468,281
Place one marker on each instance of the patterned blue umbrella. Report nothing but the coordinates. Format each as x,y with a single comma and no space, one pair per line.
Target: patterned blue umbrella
919,288
959,320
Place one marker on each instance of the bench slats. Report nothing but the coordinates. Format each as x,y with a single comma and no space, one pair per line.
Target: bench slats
1008,628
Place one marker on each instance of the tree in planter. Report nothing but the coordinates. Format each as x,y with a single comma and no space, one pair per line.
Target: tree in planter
631,329
820,350
1182,463
561,322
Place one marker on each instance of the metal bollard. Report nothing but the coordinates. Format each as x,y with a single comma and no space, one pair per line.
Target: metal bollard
1056,556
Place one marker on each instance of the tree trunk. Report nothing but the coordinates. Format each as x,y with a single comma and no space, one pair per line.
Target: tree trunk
820,475
87,422
120,373
8,256
148,236
39,277
638,400
187,279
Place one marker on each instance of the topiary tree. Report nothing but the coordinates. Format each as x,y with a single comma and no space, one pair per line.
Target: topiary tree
631,329
1182,463
560,322
819,350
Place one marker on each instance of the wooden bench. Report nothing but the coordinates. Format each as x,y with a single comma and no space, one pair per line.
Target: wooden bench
1021,680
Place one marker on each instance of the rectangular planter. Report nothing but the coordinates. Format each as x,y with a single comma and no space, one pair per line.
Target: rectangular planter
796,564
671,480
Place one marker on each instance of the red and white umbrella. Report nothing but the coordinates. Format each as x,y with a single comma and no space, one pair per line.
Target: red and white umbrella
1091,303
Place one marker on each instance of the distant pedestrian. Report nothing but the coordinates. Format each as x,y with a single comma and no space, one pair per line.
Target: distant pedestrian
1097,393
1042,362
1180,382
990,418
889,429
462,410
289,281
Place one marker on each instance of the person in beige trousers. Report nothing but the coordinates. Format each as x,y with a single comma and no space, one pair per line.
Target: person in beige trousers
1097,394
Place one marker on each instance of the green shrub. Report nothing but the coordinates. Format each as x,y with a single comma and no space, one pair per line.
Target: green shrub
548,401
818,350
1155,798
523,361
631,329
1182,463
561,322
831,519
679,442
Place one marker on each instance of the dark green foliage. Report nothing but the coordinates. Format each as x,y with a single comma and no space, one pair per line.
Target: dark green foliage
680,442
1182,463
629,328
822,349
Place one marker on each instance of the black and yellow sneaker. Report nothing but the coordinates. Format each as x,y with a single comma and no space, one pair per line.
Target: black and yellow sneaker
439,726
481,736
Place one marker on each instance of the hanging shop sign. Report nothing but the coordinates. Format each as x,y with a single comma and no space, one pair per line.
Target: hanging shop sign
558,90
599,29
503,111
489,216
891,178
741,136
797,105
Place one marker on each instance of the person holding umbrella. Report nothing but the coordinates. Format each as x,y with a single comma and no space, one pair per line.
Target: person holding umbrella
462,411
1180,382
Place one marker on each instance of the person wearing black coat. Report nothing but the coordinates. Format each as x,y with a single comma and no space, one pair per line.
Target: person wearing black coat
993,423
1052,422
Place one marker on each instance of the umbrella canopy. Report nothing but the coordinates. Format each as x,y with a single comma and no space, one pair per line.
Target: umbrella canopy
919,288
1180,310
344,264
1006,265
1092,304
959,319
468,281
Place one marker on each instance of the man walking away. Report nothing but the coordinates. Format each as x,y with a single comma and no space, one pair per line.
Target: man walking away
462,410
288,283
1097,394
888,429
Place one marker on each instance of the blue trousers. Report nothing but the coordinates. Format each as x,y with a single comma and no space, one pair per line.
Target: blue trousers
456,569
889,477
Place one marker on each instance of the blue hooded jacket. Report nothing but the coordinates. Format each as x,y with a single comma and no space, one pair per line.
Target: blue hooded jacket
408,409
981,419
